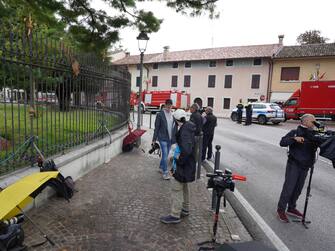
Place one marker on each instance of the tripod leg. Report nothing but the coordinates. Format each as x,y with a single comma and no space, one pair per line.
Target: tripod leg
216,216
38,228
308,195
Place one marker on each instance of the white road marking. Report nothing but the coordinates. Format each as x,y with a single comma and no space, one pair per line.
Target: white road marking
277,242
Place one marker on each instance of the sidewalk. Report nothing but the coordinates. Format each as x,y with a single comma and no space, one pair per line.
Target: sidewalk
118,207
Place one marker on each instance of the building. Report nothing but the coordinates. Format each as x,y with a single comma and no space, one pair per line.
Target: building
217,77
294,64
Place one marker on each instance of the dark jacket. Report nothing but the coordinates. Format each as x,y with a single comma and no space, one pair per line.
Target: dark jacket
186,166
196,118
161,132
210,124
302,153
327,149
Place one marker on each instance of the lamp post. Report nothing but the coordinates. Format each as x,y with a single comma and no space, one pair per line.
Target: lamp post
317,66
142,46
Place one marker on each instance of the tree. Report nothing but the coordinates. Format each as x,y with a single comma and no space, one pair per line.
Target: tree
311,37
93,30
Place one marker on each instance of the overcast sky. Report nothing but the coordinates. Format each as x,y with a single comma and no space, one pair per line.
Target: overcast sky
241,22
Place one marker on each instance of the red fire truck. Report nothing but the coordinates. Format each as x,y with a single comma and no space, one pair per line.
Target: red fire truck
154,100
315,97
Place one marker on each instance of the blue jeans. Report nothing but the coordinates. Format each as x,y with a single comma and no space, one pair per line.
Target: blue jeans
165,148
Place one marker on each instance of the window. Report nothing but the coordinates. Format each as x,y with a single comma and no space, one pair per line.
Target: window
154,81
188,64
255,81
174,81
211,81
210,102
138,67
212,63
258,106
290,73
257,61
155,66
226,103
229,62
187,81
228,79
291,102
138,81
175,65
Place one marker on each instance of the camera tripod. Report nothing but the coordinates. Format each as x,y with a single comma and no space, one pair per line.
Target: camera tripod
219,193
308,195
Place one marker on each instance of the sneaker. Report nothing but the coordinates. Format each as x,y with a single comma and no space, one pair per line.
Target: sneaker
294,212
169,219
282,216
166,176
160,170
184,213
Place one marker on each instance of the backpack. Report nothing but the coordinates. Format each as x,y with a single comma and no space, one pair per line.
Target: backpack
64,187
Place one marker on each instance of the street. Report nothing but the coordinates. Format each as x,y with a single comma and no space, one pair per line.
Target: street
254,151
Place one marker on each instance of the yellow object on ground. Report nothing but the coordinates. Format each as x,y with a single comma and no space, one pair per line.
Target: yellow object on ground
19,194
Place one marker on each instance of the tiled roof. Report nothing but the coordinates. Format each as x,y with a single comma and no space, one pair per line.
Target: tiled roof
309,50
251,51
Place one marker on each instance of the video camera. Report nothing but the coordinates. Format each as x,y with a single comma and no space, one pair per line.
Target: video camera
220,180
327,139
11,234
155,146
322,133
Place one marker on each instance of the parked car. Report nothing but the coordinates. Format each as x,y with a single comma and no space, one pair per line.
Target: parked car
263,113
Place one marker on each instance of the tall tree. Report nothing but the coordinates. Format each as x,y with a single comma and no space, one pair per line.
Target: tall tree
92,29
311,37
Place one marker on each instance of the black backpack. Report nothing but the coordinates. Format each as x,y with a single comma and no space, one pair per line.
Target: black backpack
64,187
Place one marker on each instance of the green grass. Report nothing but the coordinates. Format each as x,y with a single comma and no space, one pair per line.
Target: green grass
56,130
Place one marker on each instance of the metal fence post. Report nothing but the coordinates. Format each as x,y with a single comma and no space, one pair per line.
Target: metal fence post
216,167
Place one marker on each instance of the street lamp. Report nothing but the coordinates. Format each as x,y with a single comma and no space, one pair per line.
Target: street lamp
142,46
317,66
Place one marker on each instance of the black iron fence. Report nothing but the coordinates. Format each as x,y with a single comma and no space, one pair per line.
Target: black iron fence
52,98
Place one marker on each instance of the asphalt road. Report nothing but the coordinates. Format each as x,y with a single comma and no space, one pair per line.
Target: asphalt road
254,151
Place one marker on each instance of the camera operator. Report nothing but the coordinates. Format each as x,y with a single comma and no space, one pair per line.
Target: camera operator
185,169
165,131
302,143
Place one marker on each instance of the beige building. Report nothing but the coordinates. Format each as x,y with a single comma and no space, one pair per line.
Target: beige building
294,64
217,77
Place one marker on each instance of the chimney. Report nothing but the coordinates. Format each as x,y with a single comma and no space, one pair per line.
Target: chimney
281,38
127,54
165,52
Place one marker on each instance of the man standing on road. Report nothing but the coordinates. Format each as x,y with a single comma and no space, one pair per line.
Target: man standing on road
248,114
165,133
239,112
302,145
208,131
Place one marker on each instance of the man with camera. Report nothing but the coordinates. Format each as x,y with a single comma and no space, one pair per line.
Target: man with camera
165,131
303,143
185,169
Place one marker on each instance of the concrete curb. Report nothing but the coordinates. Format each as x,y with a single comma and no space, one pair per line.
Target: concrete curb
252,226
